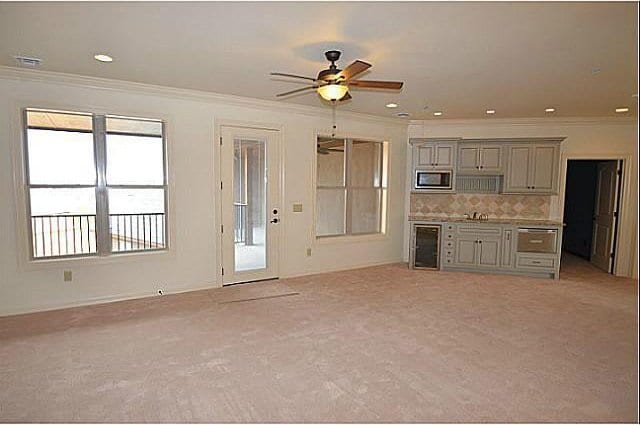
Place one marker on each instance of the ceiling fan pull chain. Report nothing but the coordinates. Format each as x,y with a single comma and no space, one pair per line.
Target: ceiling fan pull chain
333,114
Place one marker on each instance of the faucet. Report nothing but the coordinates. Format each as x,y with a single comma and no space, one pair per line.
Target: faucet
476,216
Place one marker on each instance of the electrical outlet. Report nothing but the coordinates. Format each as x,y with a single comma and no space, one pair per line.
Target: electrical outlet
68,276
297,208
308,252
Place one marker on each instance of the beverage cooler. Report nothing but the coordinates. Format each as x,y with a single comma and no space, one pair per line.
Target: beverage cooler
424,248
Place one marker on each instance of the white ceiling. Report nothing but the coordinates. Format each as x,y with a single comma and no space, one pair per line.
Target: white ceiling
459,58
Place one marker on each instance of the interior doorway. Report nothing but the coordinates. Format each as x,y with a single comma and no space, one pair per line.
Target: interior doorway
591,209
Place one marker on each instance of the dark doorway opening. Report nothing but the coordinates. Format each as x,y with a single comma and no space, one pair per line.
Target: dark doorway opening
592,198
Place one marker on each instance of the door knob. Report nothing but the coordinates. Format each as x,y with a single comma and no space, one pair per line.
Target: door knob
275,220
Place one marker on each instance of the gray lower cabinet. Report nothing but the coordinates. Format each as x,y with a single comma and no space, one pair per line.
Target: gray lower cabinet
465,252
507,248
493,247
489,252
477,252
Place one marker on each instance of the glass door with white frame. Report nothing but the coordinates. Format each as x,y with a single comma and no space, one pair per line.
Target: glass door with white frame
250,175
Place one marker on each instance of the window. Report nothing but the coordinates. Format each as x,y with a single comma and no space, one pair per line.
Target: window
96,184
350,187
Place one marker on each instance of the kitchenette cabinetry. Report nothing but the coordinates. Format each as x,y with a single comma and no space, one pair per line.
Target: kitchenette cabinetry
532,168
479,158
434,154
523,166
525,247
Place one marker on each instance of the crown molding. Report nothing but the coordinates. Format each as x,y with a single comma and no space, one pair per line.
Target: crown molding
526,121
75,80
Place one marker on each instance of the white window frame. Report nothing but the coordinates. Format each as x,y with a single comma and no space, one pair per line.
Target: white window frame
348,188
103,234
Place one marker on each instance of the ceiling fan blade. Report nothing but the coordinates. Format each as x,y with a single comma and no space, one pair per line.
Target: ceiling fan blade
391,85
281,74
345,97
354,69
287,93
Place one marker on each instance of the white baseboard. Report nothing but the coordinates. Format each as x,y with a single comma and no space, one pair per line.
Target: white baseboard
103,300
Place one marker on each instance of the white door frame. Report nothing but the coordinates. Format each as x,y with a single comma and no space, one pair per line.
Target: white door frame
625,241
217,198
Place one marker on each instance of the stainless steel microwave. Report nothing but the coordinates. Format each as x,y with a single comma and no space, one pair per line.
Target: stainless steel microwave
433,180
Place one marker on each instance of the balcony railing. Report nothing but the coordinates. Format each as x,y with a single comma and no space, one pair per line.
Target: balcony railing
240,222
58,235
136,232
64,235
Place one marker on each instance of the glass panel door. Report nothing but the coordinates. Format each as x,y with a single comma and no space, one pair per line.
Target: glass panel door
250,175
249,204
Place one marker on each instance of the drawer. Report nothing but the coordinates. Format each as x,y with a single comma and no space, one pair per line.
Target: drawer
543,263
466,229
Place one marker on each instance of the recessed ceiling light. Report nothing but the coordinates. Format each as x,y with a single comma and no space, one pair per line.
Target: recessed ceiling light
437,113
402,114
391,105
550,110
620,110
103,58
491,111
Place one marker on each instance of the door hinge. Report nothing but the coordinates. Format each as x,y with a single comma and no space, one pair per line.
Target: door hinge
220,140
615,214
222,271
612,255
222,228
220,185
620,172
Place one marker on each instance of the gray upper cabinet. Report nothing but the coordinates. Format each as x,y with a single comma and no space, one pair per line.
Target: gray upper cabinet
479,158
544,173
532,168
468,158
424,155
433,154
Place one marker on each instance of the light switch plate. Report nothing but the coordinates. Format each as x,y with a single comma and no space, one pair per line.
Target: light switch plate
297,207
68,276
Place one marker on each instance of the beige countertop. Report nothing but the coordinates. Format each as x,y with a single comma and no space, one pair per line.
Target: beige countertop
514,221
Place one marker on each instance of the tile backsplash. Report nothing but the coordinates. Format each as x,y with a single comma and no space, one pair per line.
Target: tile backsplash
496,206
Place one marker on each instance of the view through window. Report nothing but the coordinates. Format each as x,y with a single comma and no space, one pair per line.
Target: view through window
350,187
96,183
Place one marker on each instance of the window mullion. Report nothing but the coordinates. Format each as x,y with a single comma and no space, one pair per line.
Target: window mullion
347,180
103,238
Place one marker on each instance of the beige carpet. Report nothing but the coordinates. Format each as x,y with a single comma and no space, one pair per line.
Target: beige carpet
377,345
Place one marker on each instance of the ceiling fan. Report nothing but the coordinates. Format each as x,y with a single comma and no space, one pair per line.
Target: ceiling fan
333,84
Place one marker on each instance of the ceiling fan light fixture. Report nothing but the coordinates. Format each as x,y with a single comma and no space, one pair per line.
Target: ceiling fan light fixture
333,91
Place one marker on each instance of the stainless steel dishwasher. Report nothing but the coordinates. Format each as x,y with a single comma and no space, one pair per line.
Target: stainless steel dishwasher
425,246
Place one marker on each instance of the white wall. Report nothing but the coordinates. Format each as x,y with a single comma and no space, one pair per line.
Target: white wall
585,138
192,119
